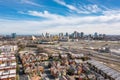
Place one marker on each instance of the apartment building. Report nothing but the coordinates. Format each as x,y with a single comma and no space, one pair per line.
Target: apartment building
7,63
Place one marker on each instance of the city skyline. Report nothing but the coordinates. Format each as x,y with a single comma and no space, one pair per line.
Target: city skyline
55,16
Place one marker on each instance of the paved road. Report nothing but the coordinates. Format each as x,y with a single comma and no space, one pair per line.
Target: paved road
22,76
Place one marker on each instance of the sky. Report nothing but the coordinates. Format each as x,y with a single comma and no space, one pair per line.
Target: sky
55,16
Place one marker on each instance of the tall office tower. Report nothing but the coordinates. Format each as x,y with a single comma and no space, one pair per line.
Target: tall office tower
47,35
66,34
76,34
13,35
82,34
95,35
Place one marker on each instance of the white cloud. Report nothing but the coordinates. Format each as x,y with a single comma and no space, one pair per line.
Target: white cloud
30,2
111,12
66,5
44,14
92,8
84,9
21,12
56,23
71,7
75,19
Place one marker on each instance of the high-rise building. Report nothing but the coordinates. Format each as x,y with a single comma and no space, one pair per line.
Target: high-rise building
81,34
13,35
76,34
95,35
66,34
47,35
42,35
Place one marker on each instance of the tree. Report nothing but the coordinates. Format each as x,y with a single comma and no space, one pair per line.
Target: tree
0,51
70,71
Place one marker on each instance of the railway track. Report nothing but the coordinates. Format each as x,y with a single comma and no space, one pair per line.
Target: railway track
108,59
108,62
102,56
